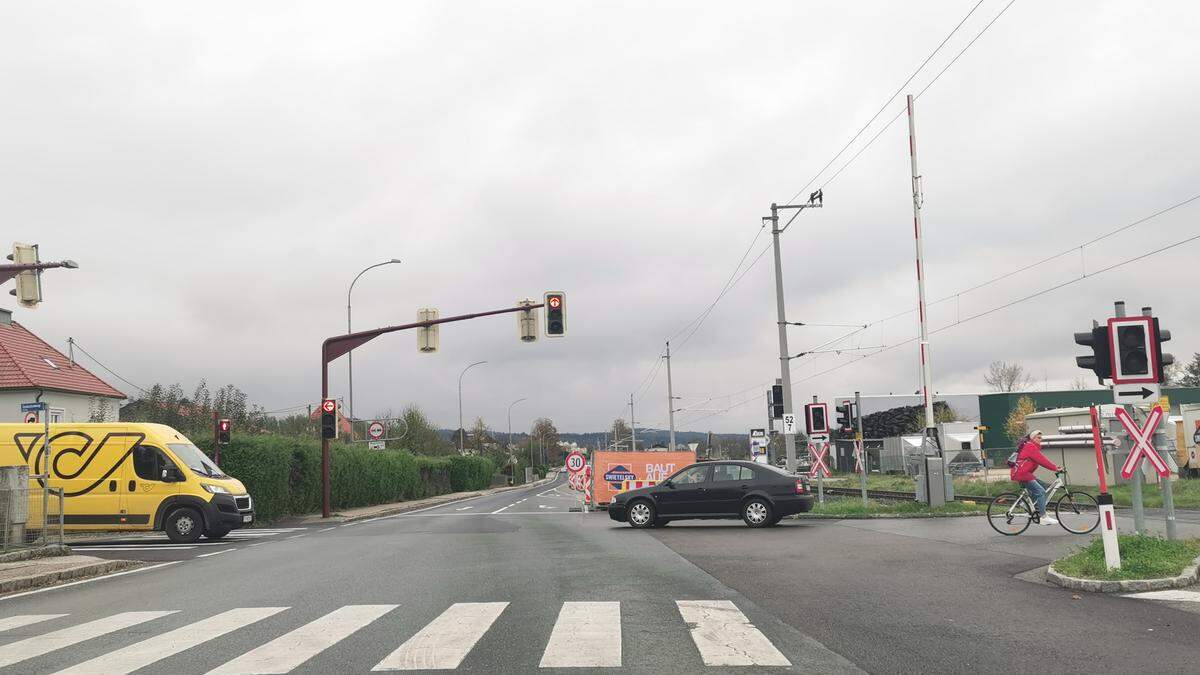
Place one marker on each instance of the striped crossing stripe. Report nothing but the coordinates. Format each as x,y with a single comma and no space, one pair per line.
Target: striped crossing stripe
587,634
447,640
16,652
284,653
725,637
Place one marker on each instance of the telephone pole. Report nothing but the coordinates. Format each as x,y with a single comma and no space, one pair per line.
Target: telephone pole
785,370
670,400
632,427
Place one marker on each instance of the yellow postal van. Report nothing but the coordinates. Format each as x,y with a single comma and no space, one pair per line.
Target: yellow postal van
124,476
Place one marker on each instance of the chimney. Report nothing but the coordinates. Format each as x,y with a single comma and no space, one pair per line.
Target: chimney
5,317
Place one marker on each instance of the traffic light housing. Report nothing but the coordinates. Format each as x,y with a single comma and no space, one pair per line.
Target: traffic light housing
29,282
223,429
1100,362
556,321
816,418
845,414
777,401
427,337
329,422
527,322
1162,335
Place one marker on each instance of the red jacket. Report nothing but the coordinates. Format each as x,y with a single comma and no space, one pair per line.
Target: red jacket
1029,458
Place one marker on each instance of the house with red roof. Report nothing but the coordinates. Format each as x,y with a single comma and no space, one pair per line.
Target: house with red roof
31,370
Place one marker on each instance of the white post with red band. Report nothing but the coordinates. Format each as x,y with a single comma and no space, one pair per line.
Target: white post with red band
1108,519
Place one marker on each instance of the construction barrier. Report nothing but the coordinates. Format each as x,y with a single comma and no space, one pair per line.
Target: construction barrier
587,484
628,485
612,469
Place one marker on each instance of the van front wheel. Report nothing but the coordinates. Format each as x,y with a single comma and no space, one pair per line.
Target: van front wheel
216,533
184,526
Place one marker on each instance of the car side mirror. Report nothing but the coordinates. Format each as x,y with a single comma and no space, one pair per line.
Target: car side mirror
670,484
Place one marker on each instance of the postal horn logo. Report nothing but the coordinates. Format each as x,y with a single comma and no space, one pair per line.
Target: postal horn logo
617,474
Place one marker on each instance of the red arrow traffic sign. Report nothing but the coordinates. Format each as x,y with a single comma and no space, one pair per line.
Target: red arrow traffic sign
329,405
1142,438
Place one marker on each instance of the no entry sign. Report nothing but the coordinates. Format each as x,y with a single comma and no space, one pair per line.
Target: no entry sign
1143,445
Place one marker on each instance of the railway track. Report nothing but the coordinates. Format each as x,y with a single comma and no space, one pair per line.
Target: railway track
897,495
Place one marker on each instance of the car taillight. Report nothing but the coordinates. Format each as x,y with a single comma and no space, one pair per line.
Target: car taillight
801,488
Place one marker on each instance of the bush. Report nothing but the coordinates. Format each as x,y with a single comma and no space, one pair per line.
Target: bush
283,474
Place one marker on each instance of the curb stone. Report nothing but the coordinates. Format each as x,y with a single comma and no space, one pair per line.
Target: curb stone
1189,576
51,578
33,553
881,516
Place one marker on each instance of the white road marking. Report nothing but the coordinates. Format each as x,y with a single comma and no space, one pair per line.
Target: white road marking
586,635
725,637
446,641
480,514
142,654
136,547
543,506
12,622
1174,595
257,544
464,508
291,650
297,536
89,580
207,555
497,510
327,529
38,645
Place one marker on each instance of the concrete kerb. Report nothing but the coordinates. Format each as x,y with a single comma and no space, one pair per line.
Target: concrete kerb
50,578
1189,576
381,511
33,553
881,516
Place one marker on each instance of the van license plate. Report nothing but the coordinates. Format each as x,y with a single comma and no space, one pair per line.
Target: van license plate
246,519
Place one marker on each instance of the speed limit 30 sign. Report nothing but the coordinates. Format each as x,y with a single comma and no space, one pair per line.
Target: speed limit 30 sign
575,462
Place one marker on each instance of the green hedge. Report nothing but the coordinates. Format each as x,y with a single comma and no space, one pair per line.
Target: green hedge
283,474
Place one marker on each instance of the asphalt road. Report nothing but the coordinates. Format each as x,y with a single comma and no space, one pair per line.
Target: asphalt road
515,582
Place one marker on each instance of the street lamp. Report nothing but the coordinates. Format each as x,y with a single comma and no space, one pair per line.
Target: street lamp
461,430
510,407
350,355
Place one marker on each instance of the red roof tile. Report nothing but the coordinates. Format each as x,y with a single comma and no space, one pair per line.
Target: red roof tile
26,363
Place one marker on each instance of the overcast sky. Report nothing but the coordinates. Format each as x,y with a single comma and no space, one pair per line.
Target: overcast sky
221,171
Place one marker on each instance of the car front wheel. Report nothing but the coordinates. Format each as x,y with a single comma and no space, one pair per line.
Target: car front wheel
184,526
757,513
641,514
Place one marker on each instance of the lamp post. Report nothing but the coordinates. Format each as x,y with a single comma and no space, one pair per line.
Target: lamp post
350,356
510,407
462,431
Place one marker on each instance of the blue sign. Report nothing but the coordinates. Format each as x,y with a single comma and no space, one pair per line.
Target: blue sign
617,474
33,407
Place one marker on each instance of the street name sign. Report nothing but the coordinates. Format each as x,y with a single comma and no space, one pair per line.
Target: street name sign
40,406
1136,394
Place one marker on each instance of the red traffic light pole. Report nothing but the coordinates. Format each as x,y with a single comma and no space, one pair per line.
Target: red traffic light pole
340,345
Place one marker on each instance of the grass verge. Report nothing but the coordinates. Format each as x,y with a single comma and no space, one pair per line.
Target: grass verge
1142,557
853,507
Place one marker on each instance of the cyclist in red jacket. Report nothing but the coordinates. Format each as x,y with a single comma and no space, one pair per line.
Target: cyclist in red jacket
1029,458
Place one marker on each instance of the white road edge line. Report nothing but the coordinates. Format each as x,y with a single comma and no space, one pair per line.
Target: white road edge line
327,529
87,581
207,555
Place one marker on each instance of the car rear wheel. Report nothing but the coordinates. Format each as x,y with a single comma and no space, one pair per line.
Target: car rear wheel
184,526
641,514
757,513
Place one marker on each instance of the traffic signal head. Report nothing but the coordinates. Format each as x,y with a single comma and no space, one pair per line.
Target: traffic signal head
1133,347
845,414
1100,362
777,401
816,418
556,322
1164,359
329,422
223,429
527,323
29,282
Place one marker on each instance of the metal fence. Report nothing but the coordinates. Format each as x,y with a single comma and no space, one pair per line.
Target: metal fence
31,516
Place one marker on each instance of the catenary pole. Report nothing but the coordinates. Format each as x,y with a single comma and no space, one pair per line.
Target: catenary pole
632,427
670,401
858,438
785,372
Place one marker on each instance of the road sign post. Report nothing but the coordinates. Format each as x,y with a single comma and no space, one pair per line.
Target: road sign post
1108,519
862,451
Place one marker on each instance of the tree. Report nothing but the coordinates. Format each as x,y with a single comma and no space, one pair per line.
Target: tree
480,436
1004,376
1080,384
545,435
419,435
1015,424
1191,373
620,431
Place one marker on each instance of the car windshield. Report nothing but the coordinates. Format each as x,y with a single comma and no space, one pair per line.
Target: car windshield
195,460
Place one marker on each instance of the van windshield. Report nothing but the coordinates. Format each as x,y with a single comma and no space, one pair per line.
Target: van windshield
195,460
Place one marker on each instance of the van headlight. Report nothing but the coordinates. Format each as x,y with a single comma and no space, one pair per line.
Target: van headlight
215,489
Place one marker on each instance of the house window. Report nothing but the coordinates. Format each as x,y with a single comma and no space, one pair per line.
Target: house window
57,415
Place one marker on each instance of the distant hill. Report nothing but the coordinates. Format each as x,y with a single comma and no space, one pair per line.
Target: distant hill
649,438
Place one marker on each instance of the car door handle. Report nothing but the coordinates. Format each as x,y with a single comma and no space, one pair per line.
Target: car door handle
132,486
745,487
703,489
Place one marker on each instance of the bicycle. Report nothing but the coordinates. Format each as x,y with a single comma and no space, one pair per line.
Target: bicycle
1011,514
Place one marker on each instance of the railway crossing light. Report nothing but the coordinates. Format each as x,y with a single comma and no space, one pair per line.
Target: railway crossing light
1133,347
329,422
29,282
427,337
556,321
527,322
1100,361
223,428
816,418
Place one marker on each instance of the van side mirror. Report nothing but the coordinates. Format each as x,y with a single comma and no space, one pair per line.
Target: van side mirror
171,475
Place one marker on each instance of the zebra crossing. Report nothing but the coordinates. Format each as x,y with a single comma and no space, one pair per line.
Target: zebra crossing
585,635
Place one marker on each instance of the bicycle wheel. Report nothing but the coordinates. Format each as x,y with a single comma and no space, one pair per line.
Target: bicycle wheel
1077,512
1008,514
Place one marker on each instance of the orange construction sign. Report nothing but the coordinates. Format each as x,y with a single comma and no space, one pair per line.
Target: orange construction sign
614,468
